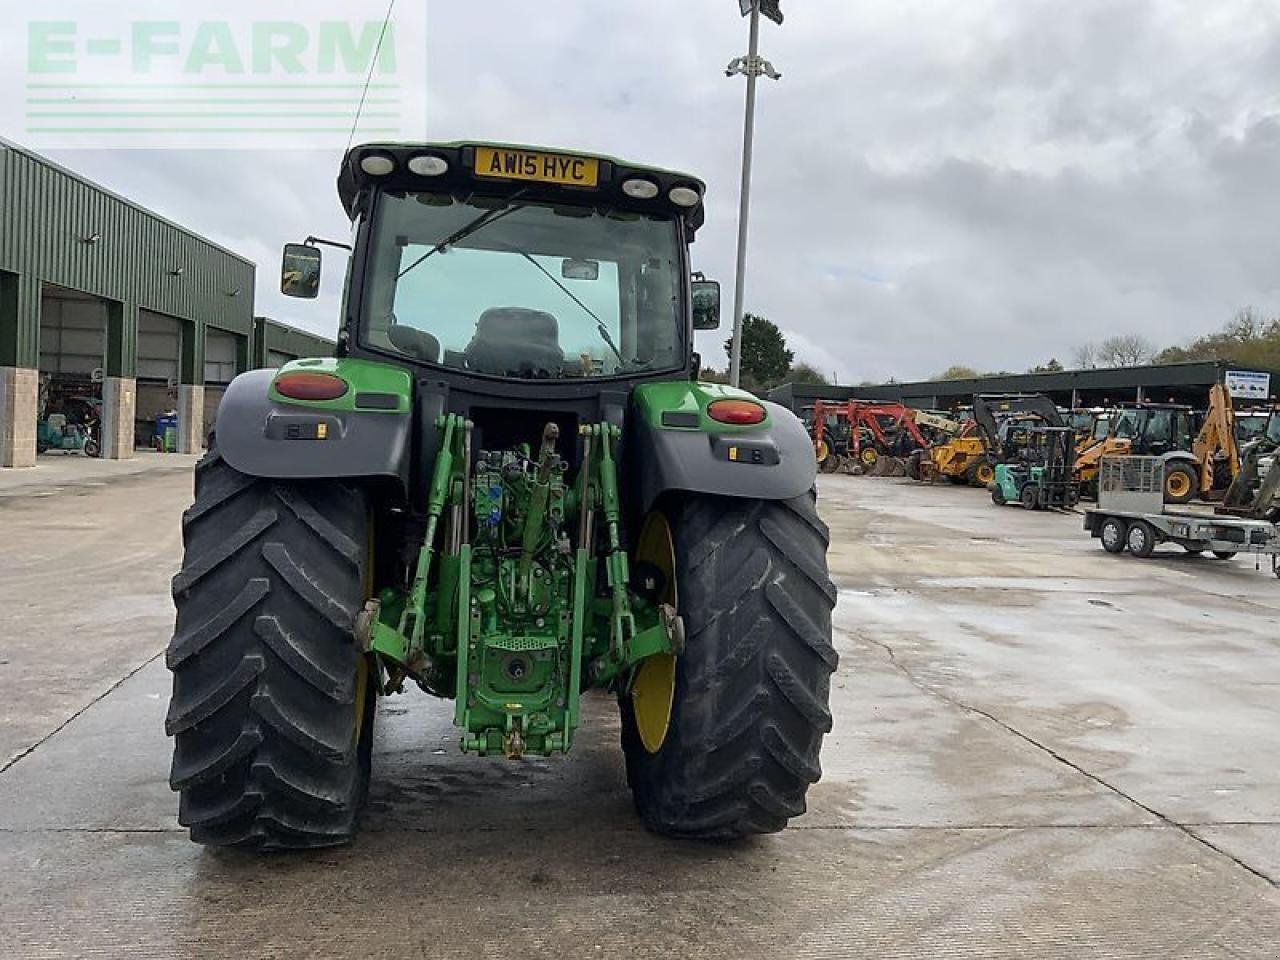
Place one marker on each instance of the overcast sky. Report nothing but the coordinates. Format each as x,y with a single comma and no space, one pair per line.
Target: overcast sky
987,182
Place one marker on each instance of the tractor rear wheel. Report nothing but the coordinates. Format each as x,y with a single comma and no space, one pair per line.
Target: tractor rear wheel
750,690
272,707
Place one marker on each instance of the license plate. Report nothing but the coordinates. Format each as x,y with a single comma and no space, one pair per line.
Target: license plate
558,168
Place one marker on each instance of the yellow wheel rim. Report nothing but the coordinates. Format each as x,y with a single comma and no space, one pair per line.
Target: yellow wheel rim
652,694
869,456
1177,484
822,450
653,687
985,473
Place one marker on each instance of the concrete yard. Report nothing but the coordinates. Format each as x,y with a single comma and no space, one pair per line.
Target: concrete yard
1040,750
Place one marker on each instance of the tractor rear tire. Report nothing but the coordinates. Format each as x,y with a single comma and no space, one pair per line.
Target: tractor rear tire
272,707
752,685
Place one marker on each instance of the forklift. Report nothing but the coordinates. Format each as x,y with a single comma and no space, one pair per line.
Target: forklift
1041,475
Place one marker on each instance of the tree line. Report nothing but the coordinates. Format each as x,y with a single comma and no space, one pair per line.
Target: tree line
1249,338
766,360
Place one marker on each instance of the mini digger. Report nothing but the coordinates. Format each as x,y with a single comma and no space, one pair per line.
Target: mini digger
507,489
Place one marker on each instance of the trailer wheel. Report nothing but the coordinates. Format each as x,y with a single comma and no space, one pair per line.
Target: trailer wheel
1141,539
272,706
749,706
1112,533
1179,483
1224,554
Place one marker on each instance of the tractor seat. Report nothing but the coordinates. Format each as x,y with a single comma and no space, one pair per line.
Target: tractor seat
516,341
416,343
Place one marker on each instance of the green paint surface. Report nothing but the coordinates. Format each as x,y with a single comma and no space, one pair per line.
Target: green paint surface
685,396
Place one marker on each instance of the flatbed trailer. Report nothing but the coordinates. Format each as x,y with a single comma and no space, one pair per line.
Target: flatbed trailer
1130,516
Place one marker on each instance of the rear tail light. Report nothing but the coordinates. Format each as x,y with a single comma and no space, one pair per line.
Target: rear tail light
740,412
310,386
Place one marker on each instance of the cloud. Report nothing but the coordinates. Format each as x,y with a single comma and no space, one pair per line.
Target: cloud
989,183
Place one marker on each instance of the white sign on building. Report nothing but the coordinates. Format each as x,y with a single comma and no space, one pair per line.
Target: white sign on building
1248,385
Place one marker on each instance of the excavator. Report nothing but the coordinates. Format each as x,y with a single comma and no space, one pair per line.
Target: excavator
1197,462
997,431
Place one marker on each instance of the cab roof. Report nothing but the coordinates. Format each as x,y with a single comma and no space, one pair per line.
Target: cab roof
546,173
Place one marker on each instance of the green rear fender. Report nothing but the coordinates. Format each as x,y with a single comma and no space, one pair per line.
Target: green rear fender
673,443
364,432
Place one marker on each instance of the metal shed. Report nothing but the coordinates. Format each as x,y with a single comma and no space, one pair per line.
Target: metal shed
86,275
1178,382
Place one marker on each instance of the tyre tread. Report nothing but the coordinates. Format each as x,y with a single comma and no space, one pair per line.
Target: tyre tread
753,684
264,665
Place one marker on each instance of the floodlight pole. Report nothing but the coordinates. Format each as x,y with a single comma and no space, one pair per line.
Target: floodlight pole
753,67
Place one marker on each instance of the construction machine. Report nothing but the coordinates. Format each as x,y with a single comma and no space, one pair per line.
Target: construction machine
1000,425
867,436
1199,458
506,489
1039,475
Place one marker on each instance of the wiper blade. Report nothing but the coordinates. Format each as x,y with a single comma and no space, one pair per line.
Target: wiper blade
467,229
600,327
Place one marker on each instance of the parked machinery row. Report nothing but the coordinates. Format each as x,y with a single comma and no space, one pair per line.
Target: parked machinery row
1025,450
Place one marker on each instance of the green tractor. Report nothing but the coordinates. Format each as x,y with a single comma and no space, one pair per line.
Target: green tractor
507,488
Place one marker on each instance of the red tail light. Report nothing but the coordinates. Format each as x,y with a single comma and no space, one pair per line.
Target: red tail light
736,411
310,386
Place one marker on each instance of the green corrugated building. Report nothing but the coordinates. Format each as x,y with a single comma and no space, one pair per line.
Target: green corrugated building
100,296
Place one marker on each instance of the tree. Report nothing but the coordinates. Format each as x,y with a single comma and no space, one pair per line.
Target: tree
1248,338
806,373
1086,356
958,372
765,357
1126,350
1053,366
712,375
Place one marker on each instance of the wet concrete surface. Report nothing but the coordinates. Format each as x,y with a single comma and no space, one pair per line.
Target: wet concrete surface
1039,751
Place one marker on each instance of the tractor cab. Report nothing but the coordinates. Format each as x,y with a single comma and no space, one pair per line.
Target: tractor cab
1153,429
490,263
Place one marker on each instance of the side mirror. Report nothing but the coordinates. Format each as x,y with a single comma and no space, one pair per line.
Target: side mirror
706,304
300,271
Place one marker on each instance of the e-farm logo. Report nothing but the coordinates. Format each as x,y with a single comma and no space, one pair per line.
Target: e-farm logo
250,80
